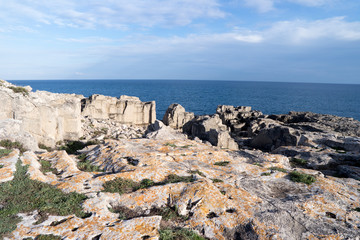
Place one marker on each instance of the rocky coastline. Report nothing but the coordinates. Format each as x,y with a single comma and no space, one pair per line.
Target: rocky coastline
235,174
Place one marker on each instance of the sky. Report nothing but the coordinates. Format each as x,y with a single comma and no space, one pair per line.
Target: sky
246,40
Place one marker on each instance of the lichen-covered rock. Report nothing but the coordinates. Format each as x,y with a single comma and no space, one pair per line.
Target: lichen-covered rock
8,167
125,110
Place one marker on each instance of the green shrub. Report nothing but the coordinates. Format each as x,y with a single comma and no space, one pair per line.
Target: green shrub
11,145
223,163
296,176
299,161
146,183
47,237
42,146
21,90
266,174
23,195
170,145
216,180
278,169
178,234
4,152
87,166
46,167
173,178
120,185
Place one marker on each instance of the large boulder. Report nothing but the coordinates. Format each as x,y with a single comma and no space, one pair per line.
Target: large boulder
49,117
210,128
125,110
176,116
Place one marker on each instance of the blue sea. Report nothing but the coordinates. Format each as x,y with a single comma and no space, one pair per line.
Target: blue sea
202,97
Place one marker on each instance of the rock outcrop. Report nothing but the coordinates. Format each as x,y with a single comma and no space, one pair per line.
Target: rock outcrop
48,117
125,110
176,116
211,129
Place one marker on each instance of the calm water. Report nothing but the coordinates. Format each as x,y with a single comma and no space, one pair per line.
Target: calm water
202,97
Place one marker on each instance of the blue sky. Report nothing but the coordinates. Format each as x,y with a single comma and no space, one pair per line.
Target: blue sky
250,40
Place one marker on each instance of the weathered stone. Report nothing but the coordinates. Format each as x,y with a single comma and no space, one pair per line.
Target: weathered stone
210,128
125,110
49,117
12,130
160,131
176,116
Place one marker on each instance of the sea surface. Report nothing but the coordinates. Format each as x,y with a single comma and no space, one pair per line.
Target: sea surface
202,97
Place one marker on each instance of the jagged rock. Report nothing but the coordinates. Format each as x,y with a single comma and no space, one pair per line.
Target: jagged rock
210,128
12,130
271,138
320,122
49,117
350,171
125,110
176,116
160,131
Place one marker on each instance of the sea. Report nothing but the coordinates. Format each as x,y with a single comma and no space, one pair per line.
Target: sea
203,96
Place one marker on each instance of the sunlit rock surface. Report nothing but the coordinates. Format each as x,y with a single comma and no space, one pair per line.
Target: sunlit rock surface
234,194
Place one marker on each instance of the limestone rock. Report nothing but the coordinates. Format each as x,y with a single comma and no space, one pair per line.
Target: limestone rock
176,116
210,128
125,110
49,117
12,130
160,131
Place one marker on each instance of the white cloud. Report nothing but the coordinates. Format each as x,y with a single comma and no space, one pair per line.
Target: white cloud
261,5
108,13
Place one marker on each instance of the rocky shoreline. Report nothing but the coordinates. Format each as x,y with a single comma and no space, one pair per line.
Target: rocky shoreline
236,174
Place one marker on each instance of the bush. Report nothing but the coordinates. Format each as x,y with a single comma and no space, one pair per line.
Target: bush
296,176
23,195
223,163
42,146
299,161
278,169
46,167
11,145
4,152
21,90
178,233
47,237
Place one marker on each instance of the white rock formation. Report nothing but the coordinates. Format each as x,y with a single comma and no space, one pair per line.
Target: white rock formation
126,110
176,116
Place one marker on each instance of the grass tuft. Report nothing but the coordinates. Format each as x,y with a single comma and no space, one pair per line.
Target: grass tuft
10,145
279,169
4,152
266,174
299,161
216,180
46,167
170,145
21,90
296,176
223,163
47,237
23,195
43,146
178,233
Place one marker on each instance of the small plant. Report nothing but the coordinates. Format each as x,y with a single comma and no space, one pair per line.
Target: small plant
120,185
223,163
258,164
4,152
11,145
170,145
299,161
146,183
178,233
42,146
173,178
266,174
279,169
296,176
47,237
186,146
87,166
46,167
216,180
197,172
21,90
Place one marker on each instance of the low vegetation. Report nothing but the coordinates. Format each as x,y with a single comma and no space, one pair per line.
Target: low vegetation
4,152
71,147
299,161
170,145
279,169
266,174
8,144
86,165
46,167
197,172
122,185
296,176
43,146
223,163
21,90
23,195
216,180
47,237
178,233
